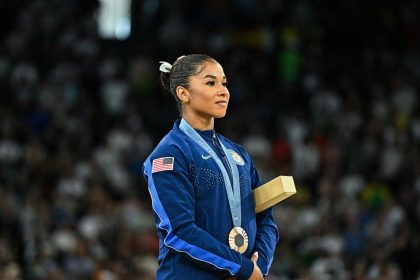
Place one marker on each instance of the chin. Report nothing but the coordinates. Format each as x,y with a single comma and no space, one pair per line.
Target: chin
220,115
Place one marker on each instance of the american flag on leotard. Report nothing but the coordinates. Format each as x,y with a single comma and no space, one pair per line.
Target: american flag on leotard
163,164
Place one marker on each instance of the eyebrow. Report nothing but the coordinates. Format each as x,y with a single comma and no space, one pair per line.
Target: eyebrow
213,77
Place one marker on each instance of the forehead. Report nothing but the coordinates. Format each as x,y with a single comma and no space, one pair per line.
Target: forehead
212,68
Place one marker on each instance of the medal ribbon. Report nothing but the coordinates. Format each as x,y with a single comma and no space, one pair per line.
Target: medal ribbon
233,194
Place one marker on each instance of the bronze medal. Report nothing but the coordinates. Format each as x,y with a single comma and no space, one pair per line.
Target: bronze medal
238,239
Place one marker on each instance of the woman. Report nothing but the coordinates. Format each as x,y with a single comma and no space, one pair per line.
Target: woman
201,185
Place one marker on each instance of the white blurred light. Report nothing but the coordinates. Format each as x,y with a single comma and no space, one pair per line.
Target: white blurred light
114,19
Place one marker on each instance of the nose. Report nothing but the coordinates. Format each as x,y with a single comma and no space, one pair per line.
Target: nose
222,90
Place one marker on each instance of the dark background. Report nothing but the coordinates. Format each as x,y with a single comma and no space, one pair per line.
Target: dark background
326,91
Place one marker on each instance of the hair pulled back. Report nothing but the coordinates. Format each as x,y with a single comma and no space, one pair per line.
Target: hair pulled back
178,74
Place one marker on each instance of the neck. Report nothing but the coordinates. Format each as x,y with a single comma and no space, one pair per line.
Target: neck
200,123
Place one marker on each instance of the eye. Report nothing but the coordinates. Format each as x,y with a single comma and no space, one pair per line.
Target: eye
225,84
210,83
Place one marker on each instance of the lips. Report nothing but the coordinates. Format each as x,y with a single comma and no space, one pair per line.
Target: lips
222,102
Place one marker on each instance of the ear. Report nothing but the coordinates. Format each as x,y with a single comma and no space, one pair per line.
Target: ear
183,94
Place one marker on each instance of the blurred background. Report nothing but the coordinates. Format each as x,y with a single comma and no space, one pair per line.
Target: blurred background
326,91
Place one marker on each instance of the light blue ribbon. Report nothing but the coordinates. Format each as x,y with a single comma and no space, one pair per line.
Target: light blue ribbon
233,194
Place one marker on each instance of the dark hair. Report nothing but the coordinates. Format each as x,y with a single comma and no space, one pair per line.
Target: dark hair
182,69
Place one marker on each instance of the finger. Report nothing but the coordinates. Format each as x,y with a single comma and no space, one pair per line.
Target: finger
254,257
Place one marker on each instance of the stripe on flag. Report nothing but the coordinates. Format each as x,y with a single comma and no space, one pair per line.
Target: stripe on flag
163,164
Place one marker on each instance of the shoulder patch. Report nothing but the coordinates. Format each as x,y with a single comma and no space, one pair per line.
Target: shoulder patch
163,164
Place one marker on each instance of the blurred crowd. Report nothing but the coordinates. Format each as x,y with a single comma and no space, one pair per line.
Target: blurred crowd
324,91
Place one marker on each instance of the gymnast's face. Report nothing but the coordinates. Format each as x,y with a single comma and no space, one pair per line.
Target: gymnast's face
207,95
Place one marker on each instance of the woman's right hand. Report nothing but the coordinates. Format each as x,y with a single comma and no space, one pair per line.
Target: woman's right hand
256,274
